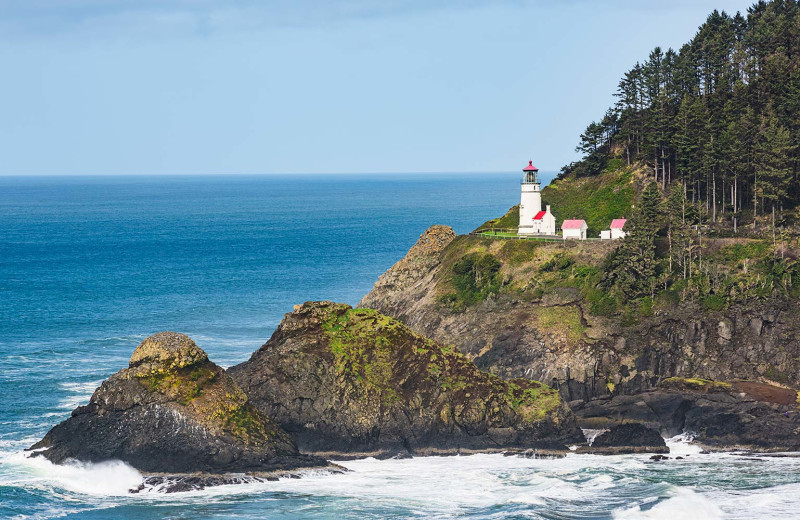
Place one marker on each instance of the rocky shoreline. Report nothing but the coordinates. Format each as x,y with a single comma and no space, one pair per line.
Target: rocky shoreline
336,382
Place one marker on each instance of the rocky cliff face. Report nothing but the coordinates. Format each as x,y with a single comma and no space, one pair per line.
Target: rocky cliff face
173,411
548,332
349,382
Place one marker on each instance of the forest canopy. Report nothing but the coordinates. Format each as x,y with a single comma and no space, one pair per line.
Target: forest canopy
720,117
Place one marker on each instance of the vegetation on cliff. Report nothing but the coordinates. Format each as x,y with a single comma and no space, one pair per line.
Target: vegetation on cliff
597,199
508,221
669,256
350,380
174,367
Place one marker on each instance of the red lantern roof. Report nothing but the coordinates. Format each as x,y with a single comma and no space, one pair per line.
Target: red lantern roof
530,167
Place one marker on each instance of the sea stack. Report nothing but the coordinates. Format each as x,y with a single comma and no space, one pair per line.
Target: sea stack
173,411
353,382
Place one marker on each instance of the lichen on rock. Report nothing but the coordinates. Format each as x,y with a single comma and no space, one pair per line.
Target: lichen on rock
167,351
173,410
352,381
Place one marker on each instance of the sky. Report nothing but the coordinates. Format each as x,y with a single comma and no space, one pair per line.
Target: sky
316,86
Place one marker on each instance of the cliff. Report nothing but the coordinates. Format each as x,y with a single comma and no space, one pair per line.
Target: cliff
353,382
530,309
173,411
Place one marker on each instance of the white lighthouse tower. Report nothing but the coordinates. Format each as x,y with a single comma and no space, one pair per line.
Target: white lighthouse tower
532,220
531,202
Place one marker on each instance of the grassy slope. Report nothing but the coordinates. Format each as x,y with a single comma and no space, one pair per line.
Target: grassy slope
740,268
597,200
508,221
529,270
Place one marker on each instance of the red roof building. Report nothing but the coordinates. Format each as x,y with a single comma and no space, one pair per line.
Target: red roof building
573,224
618,223
539,215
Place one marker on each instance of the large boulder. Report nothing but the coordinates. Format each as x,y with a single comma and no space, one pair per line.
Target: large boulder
350,382
629,438
173,411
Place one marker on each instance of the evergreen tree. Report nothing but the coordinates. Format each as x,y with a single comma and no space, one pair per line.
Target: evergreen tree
772,161
630,269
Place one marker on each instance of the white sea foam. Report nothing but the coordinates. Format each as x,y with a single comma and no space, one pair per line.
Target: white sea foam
776,502
78,394
685,504
110,478
681,445
621,487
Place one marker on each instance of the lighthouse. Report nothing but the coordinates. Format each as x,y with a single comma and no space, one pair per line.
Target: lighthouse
532,220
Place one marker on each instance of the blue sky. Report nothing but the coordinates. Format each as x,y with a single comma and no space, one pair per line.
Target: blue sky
200,86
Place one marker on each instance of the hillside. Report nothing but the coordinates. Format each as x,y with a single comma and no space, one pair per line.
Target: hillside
720,116
537,309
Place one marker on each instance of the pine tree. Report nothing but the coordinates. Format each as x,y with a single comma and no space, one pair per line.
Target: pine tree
631,268
773,161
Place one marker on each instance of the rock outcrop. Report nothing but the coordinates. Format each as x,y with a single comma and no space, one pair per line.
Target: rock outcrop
352,382
629,438
552,336
174,411
720,416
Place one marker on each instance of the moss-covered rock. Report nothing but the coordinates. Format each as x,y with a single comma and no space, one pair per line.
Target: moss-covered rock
167,351
695,384
352,381
172,410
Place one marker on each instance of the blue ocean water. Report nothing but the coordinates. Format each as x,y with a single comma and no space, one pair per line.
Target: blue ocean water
89,266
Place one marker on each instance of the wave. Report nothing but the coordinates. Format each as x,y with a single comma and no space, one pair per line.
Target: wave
109,478
621,487
79,394
685,504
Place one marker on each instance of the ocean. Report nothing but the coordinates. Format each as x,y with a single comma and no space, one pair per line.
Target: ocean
90,266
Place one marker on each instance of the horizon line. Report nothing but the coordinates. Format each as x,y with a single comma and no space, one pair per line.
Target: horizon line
260,174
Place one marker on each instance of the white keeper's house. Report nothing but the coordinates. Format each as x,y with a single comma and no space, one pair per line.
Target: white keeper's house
532,220
574,229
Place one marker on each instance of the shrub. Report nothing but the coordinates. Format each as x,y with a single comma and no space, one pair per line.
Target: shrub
559,262
714,302
475,276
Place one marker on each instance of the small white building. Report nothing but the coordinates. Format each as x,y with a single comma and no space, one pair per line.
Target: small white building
574,229
605,234
617,230
544,222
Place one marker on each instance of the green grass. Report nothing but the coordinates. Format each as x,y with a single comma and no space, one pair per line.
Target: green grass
743,251
696,383
535,402
566,320
508,221
597,200
499,234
